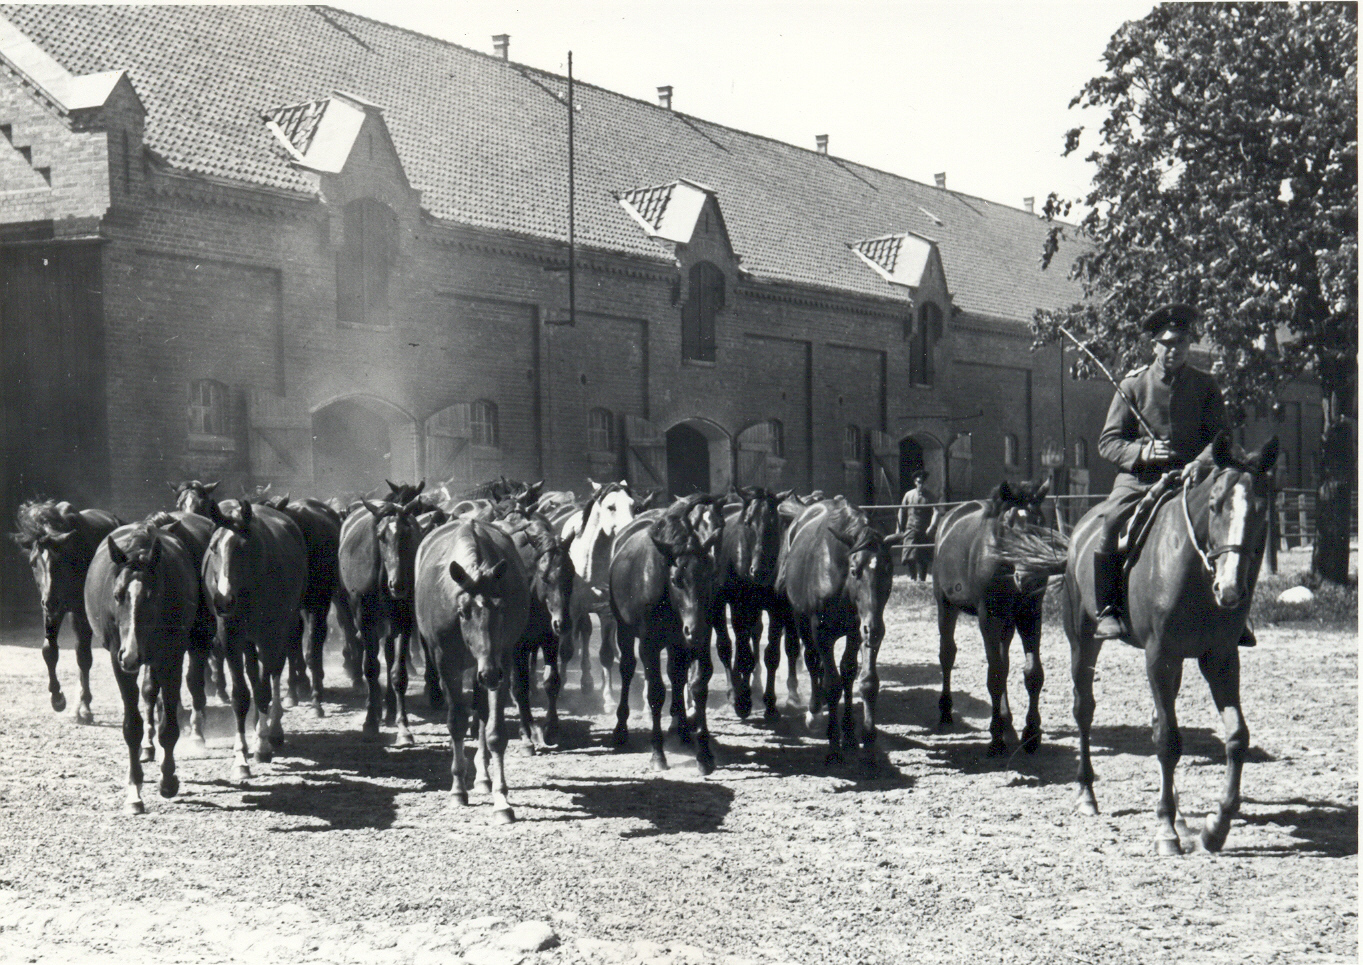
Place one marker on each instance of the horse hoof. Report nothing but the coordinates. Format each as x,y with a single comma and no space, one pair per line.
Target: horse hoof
148,755
550,735
370,731
403,738
241,772
58,702
459,798
170,786
1166,847
277,736
833,760
390,717
1031,742
523,748
318,712
288,702
84,715
504,816
134,807
705,762
1086,804
997,748
658,762
742,706
483,787
620,737
947,722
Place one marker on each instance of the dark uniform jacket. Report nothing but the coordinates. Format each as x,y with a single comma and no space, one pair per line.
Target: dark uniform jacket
1188,412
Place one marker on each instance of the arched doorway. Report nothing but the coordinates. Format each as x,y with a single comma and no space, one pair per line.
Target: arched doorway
922,451
699,456
359,442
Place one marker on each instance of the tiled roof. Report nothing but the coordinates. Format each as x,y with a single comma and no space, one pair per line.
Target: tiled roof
883,251
484,141
650,203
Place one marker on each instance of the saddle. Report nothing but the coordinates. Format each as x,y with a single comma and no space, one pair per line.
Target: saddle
1138,524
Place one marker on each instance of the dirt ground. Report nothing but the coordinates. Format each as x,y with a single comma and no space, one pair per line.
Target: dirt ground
346,851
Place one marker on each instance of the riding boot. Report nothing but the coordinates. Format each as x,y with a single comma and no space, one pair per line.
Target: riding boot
1107,594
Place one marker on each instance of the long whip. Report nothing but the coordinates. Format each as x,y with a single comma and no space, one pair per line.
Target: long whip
1115,384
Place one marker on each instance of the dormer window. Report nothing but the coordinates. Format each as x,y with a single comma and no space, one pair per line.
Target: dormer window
705,299
365,261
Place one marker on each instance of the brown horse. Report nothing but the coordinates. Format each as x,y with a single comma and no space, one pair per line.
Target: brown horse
60,543
472,602
970,576
1188,592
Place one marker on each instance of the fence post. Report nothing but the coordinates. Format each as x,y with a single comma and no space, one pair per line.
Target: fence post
1302,518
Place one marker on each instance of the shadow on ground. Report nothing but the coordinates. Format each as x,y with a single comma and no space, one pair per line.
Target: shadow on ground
667,806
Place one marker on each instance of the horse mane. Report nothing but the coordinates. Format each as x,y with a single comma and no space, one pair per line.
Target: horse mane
139,541
40,517
1005,496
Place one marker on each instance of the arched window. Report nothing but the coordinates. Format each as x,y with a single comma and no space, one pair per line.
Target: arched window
1010,451
483,423
601,430
921,346
1081,454
365,261
208,408
705,299
851,444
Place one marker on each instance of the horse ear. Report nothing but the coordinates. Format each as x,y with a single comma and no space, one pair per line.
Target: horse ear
1268,456
116,553
1222,447
496,572
461,576
155,555
596,486
209,487
393,486
1042,490
376,509
247,513
419,487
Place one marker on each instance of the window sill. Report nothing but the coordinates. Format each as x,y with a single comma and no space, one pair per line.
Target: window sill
200,441
699,363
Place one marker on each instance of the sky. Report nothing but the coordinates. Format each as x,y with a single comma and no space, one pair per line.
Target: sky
978,89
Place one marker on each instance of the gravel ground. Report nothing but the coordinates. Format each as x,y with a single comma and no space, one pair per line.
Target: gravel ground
342,851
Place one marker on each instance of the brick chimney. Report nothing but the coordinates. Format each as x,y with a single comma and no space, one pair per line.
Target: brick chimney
1029,204
665,97
501,44
821,143
941,178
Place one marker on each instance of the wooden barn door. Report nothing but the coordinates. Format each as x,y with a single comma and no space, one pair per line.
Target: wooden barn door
280,440
447,447
645,455
884,469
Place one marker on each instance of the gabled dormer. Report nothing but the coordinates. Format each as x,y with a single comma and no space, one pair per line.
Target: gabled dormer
913,263
685,216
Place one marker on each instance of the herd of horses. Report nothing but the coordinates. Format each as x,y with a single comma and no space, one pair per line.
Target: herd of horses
494,582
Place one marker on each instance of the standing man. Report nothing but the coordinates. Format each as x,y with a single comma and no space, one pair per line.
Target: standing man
916,521
1183,406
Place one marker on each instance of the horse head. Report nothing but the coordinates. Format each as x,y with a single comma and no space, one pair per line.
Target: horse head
870,571
228,563
1238,495
192,496
481,604
1018,505
552,579
759,542
397,533
137,592
690,574
47,532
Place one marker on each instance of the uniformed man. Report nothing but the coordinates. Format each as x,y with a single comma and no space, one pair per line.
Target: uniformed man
1183,406
916,520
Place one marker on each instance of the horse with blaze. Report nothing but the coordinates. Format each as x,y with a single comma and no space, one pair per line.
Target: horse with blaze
836,570
60,543
971,575
254,574
1188,592
142,598
472,600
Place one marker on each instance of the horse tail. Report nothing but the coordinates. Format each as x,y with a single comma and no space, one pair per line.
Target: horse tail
1034,552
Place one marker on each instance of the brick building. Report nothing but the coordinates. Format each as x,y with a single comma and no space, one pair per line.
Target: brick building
297,246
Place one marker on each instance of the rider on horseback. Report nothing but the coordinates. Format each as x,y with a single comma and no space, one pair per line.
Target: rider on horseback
1183,407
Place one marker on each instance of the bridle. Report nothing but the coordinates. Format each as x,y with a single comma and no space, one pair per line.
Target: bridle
1208,557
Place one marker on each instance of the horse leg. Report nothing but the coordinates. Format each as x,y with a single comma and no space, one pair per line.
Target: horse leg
390,697
241,706
946,655
501,806
620,736
369,647
809,640
520,693
847,675
868,687
261,699
1084,650
772,659
830,683
457,719
293,648
1165,675
725,646
266,683
51,627
398,671
352,650
580,633
482,777
198,700
700,695
607,655
657,691
786,621
166,678
745,617
147,688
553,685
998,634
128,687
1033,675
317,639
216,659
1222,672
432,672
84,660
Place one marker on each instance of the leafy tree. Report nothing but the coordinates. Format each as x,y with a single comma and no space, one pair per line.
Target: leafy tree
1227,177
